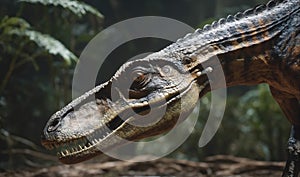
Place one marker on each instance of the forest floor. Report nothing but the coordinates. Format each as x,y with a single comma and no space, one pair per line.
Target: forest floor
215,166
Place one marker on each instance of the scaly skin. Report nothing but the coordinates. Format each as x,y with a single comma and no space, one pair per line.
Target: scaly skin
261,45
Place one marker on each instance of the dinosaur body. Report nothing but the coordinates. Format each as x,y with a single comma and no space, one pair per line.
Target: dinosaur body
261,45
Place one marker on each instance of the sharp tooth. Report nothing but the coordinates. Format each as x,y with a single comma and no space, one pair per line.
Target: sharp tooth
67,152
85,147
62,153
80,147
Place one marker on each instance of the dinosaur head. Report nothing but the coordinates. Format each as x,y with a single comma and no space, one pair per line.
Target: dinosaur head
144,98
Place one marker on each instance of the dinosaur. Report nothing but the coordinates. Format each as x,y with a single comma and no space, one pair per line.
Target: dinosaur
260,45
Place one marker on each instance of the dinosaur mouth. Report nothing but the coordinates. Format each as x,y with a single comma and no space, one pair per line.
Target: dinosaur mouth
83,148
75,150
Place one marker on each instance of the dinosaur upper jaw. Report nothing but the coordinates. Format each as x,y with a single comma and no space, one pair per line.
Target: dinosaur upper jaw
121,129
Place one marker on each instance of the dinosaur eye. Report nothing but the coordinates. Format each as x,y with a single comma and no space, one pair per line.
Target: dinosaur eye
140,79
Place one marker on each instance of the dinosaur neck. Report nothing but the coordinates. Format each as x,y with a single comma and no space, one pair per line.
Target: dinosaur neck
244,44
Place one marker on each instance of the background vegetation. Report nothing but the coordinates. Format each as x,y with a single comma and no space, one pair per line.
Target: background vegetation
40,41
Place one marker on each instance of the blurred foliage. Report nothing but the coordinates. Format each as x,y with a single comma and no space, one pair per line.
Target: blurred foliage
78,8
253,126
261,118
39,43
36,71
18,28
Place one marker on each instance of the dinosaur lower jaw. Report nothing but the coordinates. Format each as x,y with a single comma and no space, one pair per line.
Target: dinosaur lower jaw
83,148
72,151
86,147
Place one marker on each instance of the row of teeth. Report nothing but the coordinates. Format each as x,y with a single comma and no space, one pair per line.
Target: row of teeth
78,145
80,148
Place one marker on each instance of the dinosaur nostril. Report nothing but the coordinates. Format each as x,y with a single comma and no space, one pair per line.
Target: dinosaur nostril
53,125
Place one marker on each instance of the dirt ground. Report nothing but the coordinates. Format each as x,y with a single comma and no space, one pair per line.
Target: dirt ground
216,166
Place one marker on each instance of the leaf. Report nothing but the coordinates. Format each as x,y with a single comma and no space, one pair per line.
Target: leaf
78,8
18,26
45,41
13,22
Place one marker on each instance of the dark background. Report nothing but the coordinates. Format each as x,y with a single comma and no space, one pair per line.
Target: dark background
34,82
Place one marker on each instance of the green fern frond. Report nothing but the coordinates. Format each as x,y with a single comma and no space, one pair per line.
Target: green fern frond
78,8
45,41
18,26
